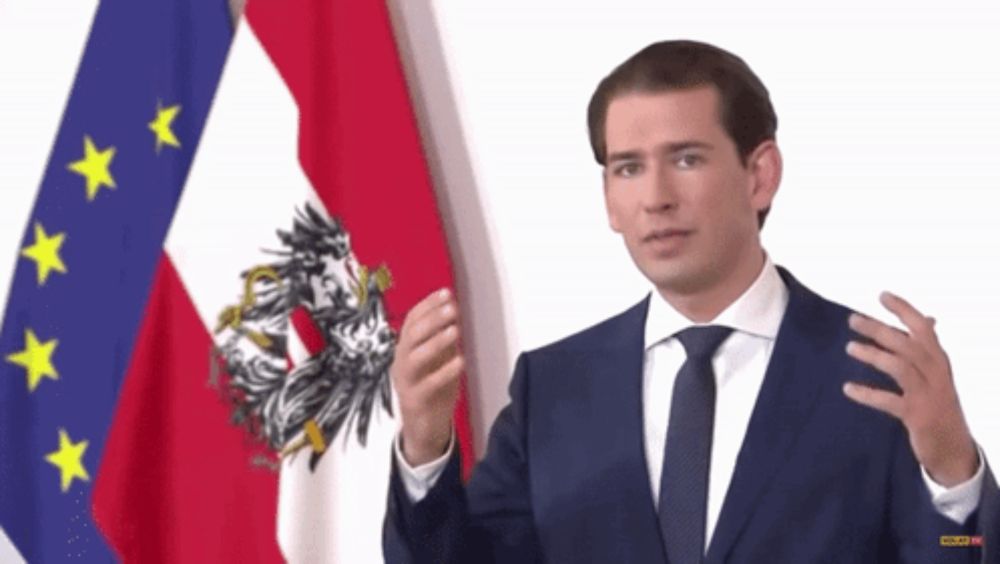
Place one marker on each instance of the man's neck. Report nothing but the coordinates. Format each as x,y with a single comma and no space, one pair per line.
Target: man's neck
706,305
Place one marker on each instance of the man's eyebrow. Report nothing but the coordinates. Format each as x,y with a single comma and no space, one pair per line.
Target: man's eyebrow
624,156
667,147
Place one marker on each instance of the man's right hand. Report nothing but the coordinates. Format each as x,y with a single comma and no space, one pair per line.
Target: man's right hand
426,372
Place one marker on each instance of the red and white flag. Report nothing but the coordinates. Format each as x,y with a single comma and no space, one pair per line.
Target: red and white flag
307,229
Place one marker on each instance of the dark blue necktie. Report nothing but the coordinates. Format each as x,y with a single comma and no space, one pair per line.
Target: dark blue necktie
684,481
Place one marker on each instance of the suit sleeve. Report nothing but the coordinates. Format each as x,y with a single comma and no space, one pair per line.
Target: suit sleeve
488,520
988,525
916,526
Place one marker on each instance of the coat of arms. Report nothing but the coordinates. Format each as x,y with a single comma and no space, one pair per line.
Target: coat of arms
290,405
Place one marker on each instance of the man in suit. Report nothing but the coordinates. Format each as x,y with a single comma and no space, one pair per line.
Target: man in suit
733,415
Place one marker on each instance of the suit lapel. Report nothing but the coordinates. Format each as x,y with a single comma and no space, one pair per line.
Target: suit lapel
616,387
785,401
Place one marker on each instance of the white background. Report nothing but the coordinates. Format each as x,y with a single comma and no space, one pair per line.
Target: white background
888,122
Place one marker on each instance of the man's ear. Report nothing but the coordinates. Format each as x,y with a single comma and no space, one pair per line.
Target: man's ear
612,216
765,166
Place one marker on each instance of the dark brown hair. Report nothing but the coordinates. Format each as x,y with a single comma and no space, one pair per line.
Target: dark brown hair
745,108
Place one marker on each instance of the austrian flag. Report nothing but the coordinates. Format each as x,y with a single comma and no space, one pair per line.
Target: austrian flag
234,219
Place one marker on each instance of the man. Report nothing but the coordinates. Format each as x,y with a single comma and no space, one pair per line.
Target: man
731,416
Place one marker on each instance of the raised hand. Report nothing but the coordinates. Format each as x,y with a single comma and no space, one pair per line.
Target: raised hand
928,406
426,372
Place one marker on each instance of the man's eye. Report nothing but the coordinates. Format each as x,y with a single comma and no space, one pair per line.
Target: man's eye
628,170
689,160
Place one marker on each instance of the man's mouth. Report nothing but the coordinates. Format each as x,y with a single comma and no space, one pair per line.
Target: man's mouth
665,234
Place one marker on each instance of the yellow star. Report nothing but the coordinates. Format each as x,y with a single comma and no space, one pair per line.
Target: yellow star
45,253
36,358
94,167
69,460
161,126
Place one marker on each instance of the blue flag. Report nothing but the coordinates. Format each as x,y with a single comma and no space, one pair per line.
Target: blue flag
109,190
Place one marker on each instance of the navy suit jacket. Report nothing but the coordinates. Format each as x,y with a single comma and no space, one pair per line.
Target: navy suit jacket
818,478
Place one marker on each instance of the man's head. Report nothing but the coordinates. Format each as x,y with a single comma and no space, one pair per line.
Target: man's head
685,133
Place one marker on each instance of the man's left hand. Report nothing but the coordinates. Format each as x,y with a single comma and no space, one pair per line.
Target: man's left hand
928,406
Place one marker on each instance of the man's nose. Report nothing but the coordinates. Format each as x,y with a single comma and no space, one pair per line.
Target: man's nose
660,193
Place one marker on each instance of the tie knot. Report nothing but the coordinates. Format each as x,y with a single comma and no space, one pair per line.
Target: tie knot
701,341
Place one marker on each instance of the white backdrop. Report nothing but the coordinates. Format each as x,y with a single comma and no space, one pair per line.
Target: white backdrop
888,121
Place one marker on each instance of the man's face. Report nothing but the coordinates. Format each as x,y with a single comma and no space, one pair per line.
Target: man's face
676,190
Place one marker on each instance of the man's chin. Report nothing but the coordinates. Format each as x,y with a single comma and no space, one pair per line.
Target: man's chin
676,281
673,283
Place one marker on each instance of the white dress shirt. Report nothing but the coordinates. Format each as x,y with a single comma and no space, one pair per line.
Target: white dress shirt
739,365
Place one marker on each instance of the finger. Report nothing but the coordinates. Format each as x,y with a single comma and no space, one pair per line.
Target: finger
430,301
895,366
444,375
428,356
449,352
918,324
886,402
433,322
891,339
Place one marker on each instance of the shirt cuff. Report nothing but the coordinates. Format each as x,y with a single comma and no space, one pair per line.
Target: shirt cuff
418,481
959,501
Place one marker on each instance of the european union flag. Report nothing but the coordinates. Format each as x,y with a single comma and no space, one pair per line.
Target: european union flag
114,176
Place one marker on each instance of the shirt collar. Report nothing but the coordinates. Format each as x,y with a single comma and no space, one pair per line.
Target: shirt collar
758,311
